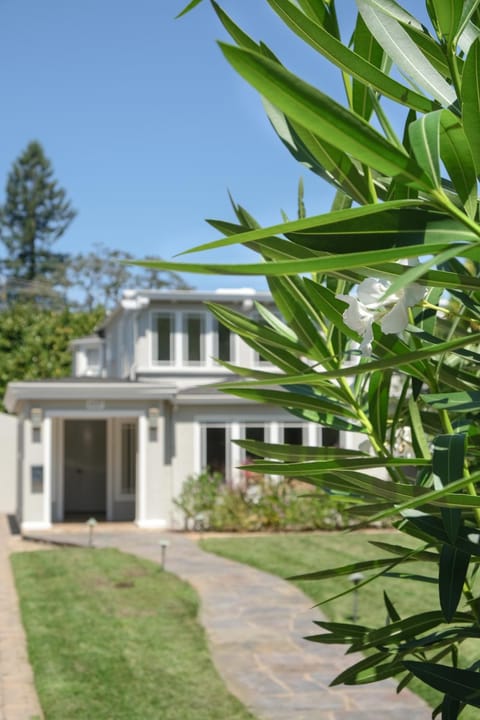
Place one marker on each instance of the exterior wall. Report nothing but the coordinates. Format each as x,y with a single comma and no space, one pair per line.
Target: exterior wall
187,458
35,474
185,374
8,484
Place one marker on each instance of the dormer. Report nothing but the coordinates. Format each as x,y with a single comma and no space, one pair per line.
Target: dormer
88,356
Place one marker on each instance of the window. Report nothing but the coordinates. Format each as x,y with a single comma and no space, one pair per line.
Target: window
163,333
293,434
93,361
194,334
224,343
129,458
215,449
256,432
330,437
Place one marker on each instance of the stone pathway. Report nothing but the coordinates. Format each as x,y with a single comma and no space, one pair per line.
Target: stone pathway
255,624
18,697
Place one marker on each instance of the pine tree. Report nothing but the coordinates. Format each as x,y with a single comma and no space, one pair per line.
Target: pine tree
35,215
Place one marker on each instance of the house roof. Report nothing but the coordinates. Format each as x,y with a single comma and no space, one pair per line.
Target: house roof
135,298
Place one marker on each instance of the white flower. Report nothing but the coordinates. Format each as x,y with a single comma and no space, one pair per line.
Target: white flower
367,308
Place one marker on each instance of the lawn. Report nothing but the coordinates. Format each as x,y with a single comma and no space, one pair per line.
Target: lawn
112,637
293,554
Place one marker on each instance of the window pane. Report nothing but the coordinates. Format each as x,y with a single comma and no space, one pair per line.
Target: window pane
194,328
129,456
224,340
216,449
254,433
93,357
330,437
164,329
293,435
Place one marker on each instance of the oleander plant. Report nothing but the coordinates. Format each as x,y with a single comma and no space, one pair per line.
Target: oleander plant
377,327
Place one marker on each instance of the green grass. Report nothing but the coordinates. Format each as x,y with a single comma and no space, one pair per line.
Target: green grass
293,554
112,637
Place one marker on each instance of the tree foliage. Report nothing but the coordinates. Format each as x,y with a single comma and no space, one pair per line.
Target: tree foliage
34,216
98,277
397,255
34,341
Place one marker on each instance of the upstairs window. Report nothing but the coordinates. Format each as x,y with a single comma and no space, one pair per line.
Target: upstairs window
163,344
224,351
93,361
194,338
293,434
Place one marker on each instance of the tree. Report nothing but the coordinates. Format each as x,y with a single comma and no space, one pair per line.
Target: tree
97,278
362,292
34,216
34,341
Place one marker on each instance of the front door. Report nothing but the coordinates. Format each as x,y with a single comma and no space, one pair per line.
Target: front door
85,470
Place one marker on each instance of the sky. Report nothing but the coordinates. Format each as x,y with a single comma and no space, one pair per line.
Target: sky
147,126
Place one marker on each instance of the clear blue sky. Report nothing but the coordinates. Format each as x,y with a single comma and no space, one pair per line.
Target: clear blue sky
146,124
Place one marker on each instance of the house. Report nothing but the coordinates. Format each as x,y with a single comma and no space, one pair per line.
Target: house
140,414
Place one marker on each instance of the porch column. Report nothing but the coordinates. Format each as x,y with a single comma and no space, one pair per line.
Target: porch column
47,470
141,492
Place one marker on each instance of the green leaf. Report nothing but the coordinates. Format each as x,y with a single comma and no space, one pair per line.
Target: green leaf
471,101
358,567
404,52
404,630
447,16
431,529
461,684
448,465
391,610
464,401
370,669
424,137
189,7
327,161
235,32
378,402
452,573
317,112
357,63
458,159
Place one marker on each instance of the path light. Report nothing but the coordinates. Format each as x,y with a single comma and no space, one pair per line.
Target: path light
163,546
91,522
356,579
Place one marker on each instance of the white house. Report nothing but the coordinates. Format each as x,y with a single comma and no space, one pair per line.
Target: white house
117,440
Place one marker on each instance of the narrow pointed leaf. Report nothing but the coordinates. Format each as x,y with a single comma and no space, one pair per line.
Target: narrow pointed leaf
189,7
404,52
323,116
461,684
458,159
452,573
448,465
424,136
378,402
359,66
471,101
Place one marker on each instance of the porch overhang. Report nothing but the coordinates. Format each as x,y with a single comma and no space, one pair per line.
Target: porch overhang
78,389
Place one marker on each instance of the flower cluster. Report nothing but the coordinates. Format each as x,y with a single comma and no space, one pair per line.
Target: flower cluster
368,307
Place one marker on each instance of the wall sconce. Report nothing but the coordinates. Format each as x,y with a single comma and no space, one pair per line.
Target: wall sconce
153,414
36,417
